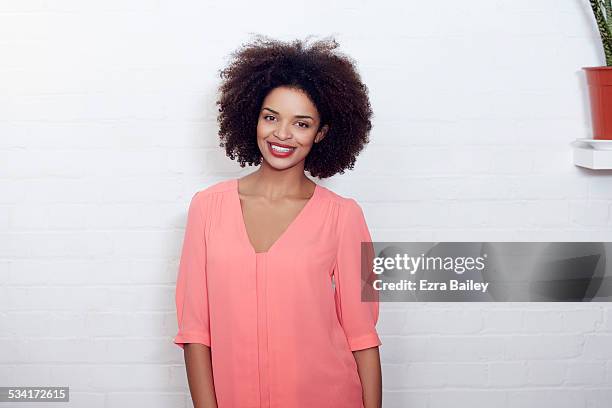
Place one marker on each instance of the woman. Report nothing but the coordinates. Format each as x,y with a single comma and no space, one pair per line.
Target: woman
270,284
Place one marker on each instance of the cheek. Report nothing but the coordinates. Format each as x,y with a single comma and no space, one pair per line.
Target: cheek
307,139
264,124
260,127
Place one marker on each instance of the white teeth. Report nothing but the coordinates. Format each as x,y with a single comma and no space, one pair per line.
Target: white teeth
281,149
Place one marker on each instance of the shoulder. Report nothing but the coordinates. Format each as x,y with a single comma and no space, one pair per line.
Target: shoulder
350,218
215,188
346,204
202,198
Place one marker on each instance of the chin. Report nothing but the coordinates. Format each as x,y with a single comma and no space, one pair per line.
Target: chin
279,165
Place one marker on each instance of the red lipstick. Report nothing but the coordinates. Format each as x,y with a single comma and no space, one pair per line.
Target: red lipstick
280,150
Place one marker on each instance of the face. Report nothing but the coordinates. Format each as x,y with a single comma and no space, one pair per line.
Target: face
287,128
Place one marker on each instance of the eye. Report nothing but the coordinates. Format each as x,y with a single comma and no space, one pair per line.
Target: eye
303,123
268,116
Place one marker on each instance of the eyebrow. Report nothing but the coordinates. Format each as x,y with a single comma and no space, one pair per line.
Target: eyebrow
297,116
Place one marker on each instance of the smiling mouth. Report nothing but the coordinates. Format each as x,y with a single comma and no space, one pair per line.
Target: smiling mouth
280,150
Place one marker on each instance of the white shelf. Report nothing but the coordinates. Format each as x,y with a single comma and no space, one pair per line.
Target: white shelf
586,156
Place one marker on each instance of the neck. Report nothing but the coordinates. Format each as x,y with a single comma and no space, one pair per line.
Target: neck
274,183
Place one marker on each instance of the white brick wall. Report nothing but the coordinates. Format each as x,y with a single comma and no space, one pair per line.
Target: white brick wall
107,127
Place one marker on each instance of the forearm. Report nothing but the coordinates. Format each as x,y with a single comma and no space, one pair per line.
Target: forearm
368,365
199,375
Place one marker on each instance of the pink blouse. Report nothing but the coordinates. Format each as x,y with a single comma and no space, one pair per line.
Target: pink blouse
280,333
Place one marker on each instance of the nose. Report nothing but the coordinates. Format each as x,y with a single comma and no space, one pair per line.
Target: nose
282,131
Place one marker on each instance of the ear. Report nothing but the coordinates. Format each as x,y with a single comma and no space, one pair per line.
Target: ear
321,134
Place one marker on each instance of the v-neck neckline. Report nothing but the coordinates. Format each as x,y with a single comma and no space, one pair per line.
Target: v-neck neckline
295,220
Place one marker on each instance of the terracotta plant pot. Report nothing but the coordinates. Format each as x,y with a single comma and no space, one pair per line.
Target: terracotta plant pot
599,80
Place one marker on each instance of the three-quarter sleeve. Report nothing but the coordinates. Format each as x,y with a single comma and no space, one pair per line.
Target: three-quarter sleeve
191,289
357,316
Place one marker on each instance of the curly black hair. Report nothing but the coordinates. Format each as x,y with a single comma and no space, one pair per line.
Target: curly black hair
328,78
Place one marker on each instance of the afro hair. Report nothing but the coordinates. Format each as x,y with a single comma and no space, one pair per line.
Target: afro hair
328,77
